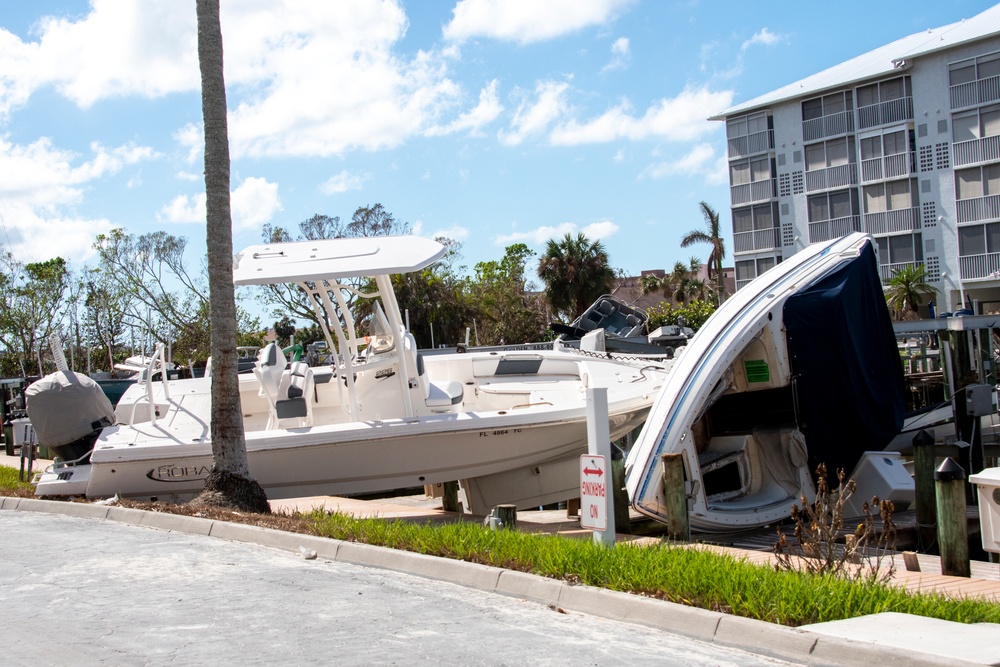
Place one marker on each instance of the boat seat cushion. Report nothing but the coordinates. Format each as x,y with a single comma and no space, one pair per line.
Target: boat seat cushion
440,395
270,367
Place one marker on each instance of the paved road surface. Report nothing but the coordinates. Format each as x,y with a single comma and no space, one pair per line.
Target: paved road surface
82,591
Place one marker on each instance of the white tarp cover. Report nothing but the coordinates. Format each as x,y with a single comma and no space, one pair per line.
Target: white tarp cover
65,406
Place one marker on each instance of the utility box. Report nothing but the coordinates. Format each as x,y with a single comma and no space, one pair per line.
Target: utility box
880,474
988,484
980,400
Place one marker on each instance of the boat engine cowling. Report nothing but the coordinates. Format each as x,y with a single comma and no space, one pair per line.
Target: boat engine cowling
68,411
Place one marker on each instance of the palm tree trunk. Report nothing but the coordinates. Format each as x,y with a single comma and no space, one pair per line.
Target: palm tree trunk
230,482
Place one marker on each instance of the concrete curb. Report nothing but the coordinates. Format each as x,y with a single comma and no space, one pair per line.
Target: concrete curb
746,634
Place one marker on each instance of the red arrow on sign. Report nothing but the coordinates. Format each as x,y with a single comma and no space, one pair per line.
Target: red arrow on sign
593,471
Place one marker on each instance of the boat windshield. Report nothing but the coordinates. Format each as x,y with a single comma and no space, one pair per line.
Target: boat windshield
380,332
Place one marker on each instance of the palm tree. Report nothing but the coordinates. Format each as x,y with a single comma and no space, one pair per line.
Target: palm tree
907,289
680,285
229,484
575,271
712,234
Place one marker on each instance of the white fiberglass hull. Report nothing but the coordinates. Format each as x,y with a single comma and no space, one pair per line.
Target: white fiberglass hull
527,419
737,477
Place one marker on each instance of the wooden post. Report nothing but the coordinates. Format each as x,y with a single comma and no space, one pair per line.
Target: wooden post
923,478
573,508
449,499
507,514
675,497
952,528
623,524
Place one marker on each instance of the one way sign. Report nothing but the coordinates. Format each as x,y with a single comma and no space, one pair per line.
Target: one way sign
593,492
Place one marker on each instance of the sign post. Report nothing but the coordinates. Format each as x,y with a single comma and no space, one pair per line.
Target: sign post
596,499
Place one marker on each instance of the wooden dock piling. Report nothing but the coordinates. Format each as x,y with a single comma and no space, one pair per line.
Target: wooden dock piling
675,497
952,527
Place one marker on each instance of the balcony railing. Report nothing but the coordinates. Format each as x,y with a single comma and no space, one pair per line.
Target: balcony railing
979,267
740,284
978,209
747,193
759,239
887,166
972,151
885,113
828,126
887,271
893,222
827,230
840,176
751,144
975,92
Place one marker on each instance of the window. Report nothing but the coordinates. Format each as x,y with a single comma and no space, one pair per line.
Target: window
744,125
884,91
977,182
747,171
832,205
827,105
765,263
976,124
979,239
967,71
745,270
891,196
739,172
903,249
761,216
831,153
894,143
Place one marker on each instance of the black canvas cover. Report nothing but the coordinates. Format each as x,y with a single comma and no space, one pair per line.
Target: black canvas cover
849,378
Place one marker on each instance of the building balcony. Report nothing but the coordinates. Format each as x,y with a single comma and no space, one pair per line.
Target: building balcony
980,267
751,144
827,230
885,113
978,209
740,284
887,167
828,126
893,222
759,239
758,191
975,92
841,176
965,153
887,271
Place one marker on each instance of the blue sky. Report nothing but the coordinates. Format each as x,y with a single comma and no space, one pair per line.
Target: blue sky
487,121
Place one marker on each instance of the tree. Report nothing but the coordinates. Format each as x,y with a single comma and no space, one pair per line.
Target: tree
509,312
33,301
288,300
229,483
105,307
907,289
712,234
681,284
576,272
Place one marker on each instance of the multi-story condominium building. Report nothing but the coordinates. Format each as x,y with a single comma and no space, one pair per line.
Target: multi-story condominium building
902,142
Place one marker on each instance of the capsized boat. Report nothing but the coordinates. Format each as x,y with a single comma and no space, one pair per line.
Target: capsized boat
798,368
381,415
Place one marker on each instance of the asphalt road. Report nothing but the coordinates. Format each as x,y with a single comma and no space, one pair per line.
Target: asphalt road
83,592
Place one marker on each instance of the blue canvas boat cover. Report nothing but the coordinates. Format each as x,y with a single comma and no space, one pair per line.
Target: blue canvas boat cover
849,377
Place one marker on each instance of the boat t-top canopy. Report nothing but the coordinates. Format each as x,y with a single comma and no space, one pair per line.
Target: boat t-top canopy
333,259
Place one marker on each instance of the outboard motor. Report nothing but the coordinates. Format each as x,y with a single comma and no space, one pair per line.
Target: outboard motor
68,412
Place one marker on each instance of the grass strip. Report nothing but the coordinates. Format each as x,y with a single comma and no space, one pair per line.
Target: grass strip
676,573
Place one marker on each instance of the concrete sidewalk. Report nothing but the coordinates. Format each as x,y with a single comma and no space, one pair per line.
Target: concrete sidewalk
887,638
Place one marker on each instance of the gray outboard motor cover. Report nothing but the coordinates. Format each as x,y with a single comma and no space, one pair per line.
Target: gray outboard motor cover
66,406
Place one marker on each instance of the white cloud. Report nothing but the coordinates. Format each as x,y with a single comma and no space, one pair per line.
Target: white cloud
534,117
620,55
764,36
362,96
682,118
527,21
254,203
538,236
40,187
473,121
455,233
702,160
345,181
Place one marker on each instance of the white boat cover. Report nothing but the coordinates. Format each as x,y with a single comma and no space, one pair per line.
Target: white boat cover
66,406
